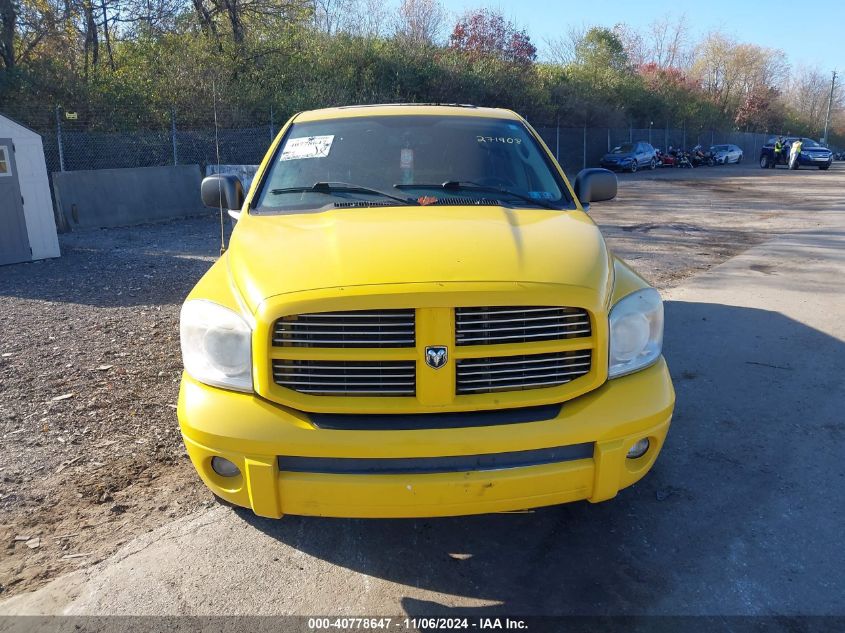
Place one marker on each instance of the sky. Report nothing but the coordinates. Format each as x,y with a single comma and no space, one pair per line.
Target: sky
820,23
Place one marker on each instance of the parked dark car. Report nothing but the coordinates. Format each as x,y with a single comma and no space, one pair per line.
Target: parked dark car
725,154
812,154
630,157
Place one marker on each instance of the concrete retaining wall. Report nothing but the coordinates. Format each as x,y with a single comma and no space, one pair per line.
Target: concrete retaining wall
120,197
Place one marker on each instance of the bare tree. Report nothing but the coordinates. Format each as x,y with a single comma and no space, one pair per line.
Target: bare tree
420,21
368,18
807,94
330,15
729,71
665,43
562,49
669,39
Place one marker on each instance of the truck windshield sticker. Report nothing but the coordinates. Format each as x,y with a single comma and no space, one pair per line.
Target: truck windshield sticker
508,140
307,147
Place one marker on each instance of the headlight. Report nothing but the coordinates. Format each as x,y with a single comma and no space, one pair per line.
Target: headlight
216,345
636,332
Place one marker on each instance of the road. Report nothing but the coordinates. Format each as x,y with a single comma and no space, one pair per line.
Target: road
743,513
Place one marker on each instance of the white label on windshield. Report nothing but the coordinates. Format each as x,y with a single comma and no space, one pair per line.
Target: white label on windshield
307,147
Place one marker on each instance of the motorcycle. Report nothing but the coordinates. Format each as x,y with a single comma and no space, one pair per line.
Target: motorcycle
683,159
666,159
700,157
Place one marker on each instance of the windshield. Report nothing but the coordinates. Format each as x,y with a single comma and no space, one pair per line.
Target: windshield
808,142
626,148
376,159
721,148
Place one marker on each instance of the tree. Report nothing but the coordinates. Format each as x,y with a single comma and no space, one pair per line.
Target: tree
8,28
601,48
729,71
488,33
419,21
561,49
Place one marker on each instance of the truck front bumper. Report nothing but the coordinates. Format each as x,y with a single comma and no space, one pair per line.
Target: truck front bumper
258,436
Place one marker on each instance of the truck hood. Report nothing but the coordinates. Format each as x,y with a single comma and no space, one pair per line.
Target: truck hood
271,255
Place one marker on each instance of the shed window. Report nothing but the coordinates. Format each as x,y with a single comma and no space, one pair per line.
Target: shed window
5,166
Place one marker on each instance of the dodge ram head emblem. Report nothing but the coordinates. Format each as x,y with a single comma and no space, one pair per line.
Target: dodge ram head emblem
435,356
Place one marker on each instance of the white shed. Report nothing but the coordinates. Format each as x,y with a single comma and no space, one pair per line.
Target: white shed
27,223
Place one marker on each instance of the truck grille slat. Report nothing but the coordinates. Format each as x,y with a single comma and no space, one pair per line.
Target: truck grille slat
344,342
516,387
521,372
360,328
547,326
534,368
469,364
347,378
524,319
495,338
509,324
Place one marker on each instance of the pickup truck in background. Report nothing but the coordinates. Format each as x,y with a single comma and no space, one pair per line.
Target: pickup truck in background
812,154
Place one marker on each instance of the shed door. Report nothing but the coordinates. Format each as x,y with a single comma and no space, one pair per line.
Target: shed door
14,242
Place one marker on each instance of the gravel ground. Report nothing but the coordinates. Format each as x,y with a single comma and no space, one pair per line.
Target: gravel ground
89,375
89,352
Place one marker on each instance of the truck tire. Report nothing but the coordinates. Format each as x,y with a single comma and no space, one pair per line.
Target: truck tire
765,162
634,166
824,167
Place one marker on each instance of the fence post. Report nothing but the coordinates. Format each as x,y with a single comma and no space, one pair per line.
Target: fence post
685,134
557,140
173,134
584,157
272,125
59,140
630,132
608,139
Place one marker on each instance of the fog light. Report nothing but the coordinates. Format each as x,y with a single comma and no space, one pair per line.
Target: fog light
638,449
224,467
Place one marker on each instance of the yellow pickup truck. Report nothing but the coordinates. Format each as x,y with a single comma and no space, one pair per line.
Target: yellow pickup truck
416,316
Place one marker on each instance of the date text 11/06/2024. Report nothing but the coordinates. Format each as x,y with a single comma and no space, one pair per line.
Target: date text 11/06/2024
415,624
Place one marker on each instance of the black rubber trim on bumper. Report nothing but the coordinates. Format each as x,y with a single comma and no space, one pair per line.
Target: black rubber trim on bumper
429,465
416,421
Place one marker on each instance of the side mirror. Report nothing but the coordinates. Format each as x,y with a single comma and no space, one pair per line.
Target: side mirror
223,190
595,185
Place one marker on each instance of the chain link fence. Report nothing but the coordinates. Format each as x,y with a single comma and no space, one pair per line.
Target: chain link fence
577,148
98,142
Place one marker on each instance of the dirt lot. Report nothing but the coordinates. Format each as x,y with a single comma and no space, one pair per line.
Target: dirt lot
89,352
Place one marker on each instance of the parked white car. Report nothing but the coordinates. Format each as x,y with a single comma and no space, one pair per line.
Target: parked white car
724,154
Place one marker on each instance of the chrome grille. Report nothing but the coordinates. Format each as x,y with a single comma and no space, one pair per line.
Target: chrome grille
490,326
346,378
515,373
362,328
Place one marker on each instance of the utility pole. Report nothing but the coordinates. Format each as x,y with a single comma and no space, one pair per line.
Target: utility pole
829,104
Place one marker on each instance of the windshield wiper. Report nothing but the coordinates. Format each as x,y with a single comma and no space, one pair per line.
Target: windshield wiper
340,187
468,185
